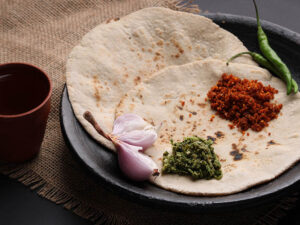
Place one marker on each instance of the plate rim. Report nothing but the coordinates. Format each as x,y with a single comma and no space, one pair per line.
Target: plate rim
193,206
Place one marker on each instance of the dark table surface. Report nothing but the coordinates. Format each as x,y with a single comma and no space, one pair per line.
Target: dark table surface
20,206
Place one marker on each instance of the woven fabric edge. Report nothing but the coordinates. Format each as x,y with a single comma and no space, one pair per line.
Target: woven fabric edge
37,183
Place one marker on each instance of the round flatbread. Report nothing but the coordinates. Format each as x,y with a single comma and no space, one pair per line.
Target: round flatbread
114,57
262,155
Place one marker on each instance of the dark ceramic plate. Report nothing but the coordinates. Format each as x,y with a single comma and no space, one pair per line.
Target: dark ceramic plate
103,163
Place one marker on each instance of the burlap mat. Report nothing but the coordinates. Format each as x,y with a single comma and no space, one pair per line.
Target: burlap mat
43,33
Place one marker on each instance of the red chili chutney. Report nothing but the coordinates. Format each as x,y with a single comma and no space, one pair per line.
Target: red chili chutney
244,102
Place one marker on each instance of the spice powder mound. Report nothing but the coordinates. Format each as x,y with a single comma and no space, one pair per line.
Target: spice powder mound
244,102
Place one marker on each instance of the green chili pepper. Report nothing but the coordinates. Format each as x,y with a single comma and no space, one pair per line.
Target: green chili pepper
295,86
271,55
262,61
257,58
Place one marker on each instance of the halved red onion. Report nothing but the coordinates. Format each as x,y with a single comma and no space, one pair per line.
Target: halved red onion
132,129
134,164
142,138
131,135
128,122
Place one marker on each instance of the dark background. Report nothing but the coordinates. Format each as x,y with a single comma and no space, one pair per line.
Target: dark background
20,206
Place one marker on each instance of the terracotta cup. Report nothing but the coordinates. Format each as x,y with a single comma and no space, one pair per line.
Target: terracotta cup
25,92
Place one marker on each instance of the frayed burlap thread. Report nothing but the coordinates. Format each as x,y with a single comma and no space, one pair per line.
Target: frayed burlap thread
43,33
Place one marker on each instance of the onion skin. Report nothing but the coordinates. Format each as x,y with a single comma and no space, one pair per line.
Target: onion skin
142,138
131,135
132,129
135,165
128,122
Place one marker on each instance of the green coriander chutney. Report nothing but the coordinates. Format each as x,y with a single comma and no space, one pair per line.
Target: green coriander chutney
193,157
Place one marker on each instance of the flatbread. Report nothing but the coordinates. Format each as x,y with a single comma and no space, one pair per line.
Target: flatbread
265,154
114,57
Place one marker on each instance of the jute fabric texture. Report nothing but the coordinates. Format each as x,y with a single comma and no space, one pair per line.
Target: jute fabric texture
43,33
